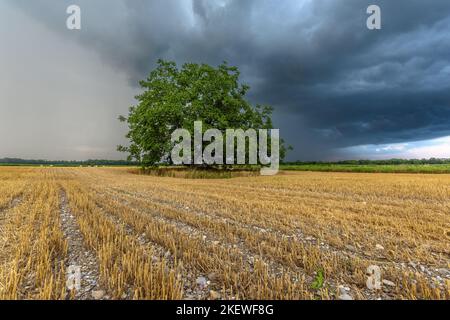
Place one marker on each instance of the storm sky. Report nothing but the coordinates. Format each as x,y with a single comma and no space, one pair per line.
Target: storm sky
339,90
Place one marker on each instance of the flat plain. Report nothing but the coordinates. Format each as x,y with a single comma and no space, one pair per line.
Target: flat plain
297,235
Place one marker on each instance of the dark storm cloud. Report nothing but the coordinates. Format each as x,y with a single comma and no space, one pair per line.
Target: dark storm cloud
333,82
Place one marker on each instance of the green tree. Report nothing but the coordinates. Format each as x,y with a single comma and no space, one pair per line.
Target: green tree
174,98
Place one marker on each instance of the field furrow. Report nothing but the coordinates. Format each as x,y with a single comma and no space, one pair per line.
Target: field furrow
80,259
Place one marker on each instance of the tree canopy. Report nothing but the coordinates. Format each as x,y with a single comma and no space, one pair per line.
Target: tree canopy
174,98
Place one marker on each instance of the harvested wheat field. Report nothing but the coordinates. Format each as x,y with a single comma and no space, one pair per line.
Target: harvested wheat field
293,236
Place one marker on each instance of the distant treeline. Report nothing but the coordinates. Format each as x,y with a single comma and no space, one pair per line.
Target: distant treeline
15,161
96,162
376,162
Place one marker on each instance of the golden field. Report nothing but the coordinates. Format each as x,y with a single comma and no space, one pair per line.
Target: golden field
298,235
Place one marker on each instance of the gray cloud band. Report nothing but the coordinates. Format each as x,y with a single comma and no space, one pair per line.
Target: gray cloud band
333,82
